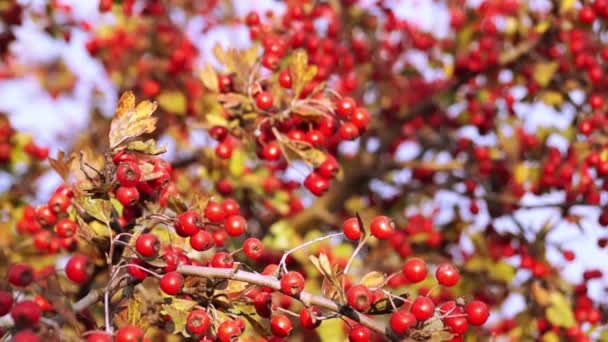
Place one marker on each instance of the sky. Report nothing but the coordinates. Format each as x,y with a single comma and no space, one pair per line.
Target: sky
54,120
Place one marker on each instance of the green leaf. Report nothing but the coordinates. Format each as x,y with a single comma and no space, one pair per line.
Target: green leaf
237,162
173,101
331,330
501,271
559,313
147,147
100,209
178,310
373,279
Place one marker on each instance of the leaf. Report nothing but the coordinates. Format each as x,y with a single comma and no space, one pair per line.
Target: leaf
552,98
237,162
147,147
209,78
550,337
178,317
173,101
373,279
325,264
301,72
501,271
61,165
543,72
566,5
559,313
100,209
129,121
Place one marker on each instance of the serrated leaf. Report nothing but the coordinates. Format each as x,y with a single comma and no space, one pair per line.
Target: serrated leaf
559,313
543,72
209,78
301,72
131,122
147,147
98,208
61,165
373,279
173,101
178,317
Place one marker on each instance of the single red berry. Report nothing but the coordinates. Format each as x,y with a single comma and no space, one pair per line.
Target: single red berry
222,260
308,317
6,302
224,83
401,321
352,229
270,61
228,331
214,212
359,334
45,216
198,322
262,302
360,118
171,283
285,79
127,196
66,228
224,149
98,336
20,275
79,268
415,270
147,245
188,223
128,173
59,203
382,227
477,312
26,313
292,283
346,107
271,151
447,274
253,248
328,168
359,297
280,325
230,206
348,131
136,269
129,333
252,19
263,100
586,15
235,225
457,325
201,241
315,138
218,133
422,308
25,336
316,184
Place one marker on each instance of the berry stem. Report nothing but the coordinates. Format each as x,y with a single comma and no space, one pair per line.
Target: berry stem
319,239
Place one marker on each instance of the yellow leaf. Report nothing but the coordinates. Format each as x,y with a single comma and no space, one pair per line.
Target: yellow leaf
173,101
100,209
552,98
237,162
209,78
520,174
129,121
566,5
501,271
373,279
550,337
301,72
559,313
543,72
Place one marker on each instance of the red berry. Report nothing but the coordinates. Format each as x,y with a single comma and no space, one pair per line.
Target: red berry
263,304
423,308
359,334
348,131
224,83
26,313
171,283
328,168
79,268
129,333
201,241
214,212
25,336
188,223
415,270
128,173
253,248
360,118
359,297
59,203
66,228
6,302
401,321
20,275
45,216
263,100
224,149
271,151
147,245
586,15
230,206
228,331
198,322
252,19
235,225
346,106
447,274
382,227
308,317
316,184
352,229
99,336
127,196
292,283
477,312
315,138
218,133
222,260
280,325
285,79
137,272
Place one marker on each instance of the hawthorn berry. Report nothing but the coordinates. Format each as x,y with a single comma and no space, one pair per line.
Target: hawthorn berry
66,228
136,268
346,107
359,333
6,302
128,173
25,336
253,248
127,196
271,151
235,225
198,322
26,313
359,297
348,131
292,283
59,203
263,100
20,275
447,274
285,79
352,229
45,216
188,223
129,333
422,308
79,268
214,212
228,331
230,207
308,317
382,227
316,184
280,325
222,260
401,321
147,245
98,336
201,241
477,312
171,283
262,302
415,270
